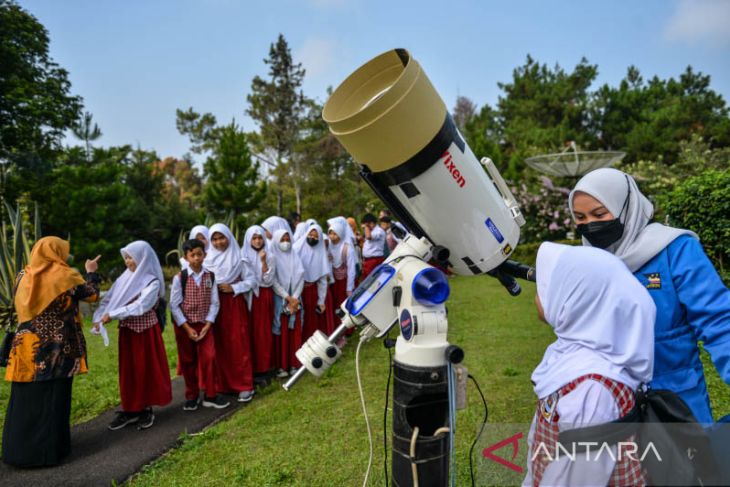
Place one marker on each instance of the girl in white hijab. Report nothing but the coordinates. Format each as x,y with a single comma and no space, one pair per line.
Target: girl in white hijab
288,286
199,232
257,256
274,223
232,343
144,375
311,250
603,320
693,304
343,258
302,228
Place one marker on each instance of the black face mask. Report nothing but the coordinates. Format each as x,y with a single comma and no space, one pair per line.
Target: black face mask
312,241
605,233
602,234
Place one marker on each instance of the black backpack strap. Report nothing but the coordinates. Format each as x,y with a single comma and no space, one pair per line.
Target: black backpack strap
593,437
183,281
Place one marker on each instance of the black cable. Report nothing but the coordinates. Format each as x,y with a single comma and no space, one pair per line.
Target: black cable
486,416
385,416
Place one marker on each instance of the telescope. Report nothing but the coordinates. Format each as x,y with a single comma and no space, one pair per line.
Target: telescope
459,213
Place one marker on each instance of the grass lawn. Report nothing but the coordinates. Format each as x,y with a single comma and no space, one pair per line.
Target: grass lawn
315,434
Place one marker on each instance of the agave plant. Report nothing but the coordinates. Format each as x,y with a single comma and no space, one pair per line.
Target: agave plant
14,255
177,252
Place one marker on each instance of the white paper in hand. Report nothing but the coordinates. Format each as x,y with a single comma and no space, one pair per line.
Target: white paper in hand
101,331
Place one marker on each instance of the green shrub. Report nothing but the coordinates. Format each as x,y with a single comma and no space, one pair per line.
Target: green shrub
702,204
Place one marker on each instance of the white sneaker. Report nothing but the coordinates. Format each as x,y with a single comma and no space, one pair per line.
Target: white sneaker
293,371
245,396
281,373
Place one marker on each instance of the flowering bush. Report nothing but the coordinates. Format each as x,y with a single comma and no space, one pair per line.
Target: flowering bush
545,208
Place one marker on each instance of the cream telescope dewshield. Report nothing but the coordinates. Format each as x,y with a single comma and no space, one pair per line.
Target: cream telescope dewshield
392,121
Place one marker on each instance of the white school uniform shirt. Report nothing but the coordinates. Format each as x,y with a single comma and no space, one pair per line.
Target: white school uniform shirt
376,245
134,293
176,298
604,322
146,301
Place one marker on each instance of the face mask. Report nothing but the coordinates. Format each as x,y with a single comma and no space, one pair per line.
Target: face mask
602,234
312,241
606,233
285,246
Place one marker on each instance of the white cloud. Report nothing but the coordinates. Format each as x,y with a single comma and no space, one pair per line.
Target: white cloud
317,55
700,22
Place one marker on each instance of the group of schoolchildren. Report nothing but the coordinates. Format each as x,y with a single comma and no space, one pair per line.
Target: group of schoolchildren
240,312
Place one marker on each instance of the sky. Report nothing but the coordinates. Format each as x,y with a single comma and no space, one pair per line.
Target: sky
135,62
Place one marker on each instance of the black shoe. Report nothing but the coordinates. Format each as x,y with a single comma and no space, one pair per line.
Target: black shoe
122,420
217,402
146,419
190,405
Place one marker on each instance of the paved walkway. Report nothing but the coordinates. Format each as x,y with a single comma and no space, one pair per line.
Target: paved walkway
99,456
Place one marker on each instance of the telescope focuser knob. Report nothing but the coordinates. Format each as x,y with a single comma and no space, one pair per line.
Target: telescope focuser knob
331,352
340,313
317,362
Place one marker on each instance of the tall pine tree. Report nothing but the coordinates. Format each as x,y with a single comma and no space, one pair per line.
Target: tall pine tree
232,184
279,107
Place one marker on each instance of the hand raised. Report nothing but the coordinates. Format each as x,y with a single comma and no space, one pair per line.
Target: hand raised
93,264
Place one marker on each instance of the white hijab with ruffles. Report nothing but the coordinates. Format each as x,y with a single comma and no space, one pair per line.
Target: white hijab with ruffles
641,240
314,259
602,316
227,265
289,268
130,284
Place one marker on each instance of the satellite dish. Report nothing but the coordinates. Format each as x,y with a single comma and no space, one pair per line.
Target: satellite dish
572,162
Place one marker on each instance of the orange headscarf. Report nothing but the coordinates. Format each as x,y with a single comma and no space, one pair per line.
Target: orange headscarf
46,277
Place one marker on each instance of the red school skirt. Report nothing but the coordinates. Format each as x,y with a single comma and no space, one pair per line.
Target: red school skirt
262,315
309,306
232,345
339,295
286,344
144,375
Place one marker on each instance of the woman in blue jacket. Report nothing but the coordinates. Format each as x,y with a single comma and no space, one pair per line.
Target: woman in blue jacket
692,302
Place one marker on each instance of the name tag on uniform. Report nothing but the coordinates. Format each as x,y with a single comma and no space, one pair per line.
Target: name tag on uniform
655,280
208,283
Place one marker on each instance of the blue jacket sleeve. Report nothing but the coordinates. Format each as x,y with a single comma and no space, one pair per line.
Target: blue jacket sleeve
705,299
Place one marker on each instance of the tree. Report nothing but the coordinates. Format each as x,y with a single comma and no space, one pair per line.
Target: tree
464,110
279,107
232,183
35,104
181,179
200,129
648,120
543,108
85,131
